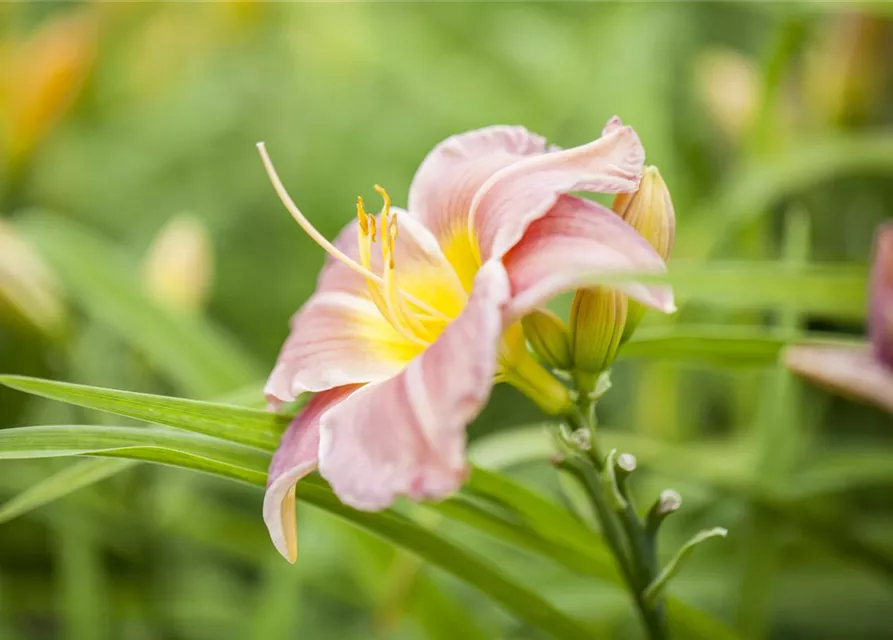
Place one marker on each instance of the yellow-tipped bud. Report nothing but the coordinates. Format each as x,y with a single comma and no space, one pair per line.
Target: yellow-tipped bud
650,211
179,265
29,294
549,338
598,317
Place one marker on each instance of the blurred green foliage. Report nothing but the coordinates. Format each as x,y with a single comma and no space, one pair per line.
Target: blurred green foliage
771,124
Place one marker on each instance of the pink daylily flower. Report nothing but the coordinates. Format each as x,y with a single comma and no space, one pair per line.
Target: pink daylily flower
863,371
402,345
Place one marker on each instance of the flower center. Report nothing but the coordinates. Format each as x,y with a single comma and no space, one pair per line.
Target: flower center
410,323
414,319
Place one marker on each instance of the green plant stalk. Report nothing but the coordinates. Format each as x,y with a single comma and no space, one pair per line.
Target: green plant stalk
633,550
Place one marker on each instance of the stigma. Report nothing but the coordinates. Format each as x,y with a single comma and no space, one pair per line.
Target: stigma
413,319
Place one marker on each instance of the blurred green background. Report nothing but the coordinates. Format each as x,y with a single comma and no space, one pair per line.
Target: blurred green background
142,247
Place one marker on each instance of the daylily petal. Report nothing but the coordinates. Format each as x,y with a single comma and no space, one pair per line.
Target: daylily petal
447,180
295,458
880,308
406,435
339,336
570,247
523,192
852,372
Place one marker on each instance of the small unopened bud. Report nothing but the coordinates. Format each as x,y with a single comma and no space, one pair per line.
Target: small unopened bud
179,265
549,338
626,462
598,316
650,212
668,502
581,439
880,316
556,459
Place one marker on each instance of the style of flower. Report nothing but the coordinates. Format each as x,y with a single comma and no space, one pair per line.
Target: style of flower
402,342
862,372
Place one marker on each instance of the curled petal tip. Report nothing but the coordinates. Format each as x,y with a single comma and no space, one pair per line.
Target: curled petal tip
614,123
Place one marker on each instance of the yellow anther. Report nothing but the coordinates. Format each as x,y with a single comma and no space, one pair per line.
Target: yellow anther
392,237
384,196
362,216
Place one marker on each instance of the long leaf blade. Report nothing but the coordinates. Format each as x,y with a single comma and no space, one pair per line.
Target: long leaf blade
250,427
241,463
61,483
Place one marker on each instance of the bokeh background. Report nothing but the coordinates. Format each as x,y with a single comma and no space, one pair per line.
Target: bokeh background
142,247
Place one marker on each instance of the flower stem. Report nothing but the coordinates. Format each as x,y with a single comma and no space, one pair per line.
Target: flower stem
633,548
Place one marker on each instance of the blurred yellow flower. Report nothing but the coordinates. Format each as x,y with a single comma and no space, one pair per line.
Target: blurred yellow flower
728,85
40,78
29,293
179,265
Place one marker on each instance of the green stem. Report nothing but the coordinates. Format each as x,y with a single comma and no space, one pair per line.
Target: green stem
633,550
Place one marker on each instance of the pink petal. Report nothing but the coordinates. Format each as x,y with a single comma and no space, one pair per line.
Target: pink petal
572,246
295,458
880,308
336,338
852,372
406,436
339,336
524,191
445,184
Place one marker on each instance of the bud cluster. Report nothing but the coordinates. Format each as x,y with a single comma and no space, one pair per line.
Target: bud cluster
602,318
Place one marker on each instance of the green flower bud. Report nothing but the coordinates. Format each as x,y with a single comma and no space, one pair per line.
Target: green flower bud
598,316
650,212
549,338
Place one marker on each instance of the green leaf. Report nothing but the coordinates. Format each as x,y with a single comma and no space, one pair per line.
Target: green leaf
715,345
241,463
191,352
163,446
766,181
84,596
236,424
562,537
835,291
590,559
549,519
653,591
438,551
61,483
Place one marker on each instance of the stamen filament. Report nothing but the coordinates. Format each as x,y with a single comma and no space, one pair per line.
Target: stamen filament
331,249
365,238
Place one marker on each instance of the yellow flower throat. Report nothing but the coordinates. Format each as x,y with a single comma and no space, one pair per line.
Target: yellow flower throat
415,320
414,325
